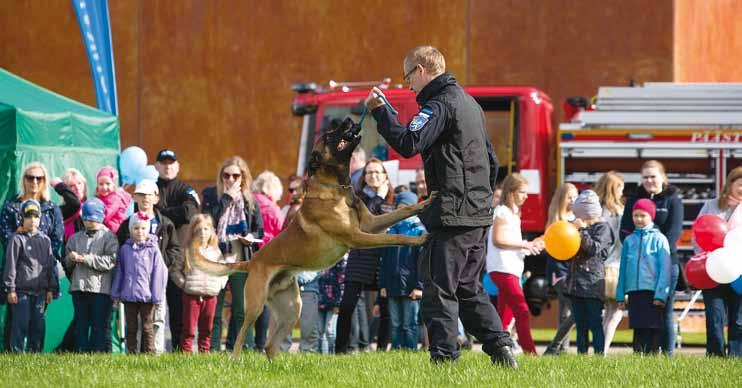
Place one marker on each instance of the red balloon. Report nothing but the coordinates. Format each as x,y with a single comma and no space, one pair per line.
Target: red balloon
695,273
709,231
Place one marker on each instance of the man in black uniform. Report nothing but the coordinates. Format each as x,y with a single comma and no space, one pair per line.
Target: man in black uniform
179,202
460,165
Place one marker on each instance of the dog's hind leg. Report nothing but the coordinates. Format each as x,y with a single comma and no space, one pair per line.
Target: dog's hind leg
256,287
285,305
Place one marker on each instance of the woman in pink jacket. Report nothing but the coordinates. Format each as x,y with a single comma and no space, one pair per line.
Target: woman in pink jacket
115,198
268,189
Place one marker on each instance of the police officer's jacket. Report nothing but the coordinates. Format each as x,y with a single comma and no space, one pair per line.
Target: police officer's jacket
450,134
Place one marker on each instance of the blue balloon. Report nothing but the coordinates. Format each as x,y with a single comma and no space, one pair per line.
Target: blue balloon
132,160
737,285
489,285
147,172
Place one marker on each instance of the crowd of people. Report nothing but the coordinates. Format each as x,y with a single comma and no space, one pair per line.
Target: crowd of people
127,251
134,249
128,248
627,260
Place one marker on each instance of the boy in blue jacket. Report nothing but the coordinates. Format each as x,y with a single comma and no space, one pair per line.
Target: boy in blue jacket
30,280
645,277
398,279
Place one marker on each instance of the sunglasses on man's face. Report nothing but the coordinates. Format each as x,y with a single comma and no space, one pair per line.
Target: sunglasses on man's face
227,175
32,178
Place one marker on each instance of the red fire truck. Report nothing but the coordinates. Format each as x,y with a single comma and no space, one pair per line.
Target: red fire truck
695,130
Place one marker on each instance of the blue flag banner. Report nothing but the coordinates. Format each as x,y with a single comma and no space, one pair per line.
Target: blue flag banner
95,26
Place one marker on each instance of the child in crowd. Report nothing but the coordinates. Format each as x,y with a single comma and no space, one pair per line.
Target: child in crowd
560,209
330,294
30,279
147,195
90,256
586,280
199,288
505,258
399,281
139,282
115,198
645,276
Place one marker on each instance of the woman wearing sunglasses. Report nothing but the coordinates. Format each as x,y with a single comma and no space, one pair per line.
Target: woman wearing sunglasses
34,185
238,221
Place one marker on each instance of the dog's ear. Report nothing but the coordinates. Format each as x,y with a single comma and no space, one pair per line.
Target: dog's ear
348,123
335,124
315,162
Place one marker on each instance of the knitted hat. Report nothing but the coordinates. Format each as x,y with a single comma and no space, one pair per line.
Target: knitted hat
587,206
30,207
645,205
109,172
93,210
405,198
137,219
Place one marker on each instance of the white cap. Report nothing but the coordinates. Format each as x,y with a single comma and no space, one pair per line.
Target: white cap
146,186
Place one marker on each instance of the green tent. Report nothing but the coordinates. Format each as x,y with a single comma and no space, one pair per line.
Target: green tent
39,125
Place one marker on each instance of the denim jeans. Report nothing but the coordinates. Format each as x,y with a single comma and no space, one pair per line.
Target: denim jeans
668,333
28,323
587,316
560,342
327,330
309,322
158,323
403,313
723,307
92,315
352,326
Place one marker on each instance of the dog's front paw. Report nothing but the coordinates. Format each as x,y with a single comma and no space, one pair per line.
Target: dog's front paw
420,206
432,197
420,240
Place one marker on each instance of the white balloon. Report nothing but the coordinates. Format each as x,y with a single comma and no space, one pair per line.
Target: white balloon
733,239
723,266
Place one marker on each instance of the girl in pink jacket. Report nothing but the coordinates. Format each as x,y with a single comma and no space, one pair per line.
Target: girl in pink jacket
115,198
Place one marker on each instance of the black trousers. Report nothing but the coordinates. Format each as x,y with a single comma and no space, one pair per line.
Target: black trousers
451,266
351,294
174,297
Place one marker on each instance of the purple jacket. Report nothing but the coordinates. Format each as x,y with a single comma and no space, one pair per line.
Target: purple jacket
140,274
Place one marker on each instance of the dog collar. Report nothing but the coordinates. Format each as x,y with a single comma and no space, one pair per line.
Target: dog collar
326,196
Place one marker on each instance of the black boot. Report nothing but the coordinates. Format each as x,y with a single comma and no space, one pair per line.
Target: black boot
503,356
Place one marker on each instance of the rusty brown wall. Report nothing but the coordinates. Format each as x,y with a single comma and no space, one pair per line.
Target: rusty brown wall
708,44
212,78
570,48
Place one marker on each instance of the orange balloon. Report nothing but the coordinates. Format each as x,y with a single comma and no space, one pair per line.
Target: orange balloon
562,240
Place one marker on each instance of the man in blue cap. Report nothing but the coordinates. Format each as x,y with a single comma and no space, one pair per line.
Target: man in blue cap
179,202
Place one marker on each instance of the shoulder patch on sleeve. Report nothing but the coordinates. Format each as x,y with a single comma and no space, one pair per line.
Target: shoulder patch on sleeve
420,119
193,195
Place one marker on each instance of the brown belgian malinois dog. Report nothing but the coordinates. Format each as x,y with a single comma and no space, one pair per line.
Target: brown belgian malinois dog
330,221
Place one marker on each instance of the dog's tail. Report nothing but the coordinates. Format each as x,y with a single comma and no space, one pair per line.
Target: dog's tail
213,268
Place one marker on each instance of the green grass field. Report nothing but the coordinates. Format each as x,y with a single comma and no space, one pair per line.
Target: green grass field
396,369
622,336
